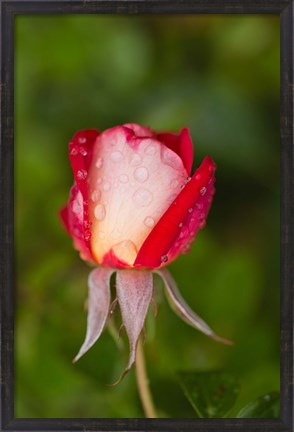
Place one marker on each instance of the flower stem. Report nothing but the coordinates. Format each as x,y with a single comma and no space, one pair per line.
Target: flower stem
143,383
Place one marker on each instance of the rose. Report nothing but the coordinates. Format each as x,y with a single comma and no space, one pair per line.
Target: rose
134,206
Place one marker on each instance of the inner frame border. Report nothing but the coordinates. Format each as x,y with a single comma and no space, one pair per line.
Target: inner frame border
8,10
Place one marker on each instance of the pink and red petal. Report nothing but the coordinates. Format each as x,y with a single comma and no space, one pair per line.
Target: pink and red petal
181,144
176,229
80,155
72,217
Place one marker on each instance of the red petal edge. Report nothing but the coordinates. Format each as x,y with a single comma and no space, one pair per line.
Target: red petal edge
181,144
80,155
161,246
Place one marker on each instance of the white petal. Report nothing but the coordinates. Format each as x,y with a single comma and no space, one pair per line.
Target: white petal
98,306
134,292
134,188
184,311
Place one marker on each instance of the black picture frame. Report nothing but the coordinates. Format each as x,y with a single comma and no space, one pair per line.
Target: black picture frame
8,10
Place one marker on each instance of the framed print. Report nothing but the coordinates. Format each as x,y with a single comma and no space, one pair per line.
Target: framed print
146,198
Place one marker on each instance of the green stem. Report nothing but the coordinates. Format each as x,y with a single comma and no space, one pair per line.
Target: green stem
143,383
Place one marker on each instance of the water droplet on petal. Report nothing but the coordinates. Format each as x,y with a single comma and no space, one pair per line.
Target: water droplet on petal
95,195
188,179
203,191
141,174
77,204
116,156
135,160
149,221
164,258
184,232
82,140
171,159
190,210
82,174
106,186
202,224
83,151
126,251
142,197
198,177
100,212
186,249
123,178
180,224
99,162
74,151
87,235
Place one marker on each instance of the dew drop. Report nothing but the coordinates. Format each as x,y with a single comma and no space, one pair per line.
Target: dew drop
74,151
164,258
87,224
82,174
184,232
116,156
186,249
171,159
188,179
87,235
82,140
95,195
77,205
203,191
126,251
123,178
190,210
135,160
106,186
141,174
99,162
142,197
202,224
149,221
100,212
198,177
180,224
83,151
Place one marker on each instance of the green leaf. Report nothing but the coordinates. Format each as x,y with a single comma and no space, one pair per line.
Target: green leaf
212,394
267,406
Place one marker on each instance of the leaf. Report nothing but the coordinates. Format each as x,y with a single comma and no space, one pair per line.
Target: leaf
212,394
266,406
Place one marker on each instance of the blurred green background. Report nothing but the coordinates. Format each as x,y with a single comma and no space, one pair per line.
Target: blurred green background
219,75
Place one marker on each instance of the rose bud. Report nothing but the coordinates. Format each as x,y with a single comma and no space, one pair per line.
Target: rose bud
133,209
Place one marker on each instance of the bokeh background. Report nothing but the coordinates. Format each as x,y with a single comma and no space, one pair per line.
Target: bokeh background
219,75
